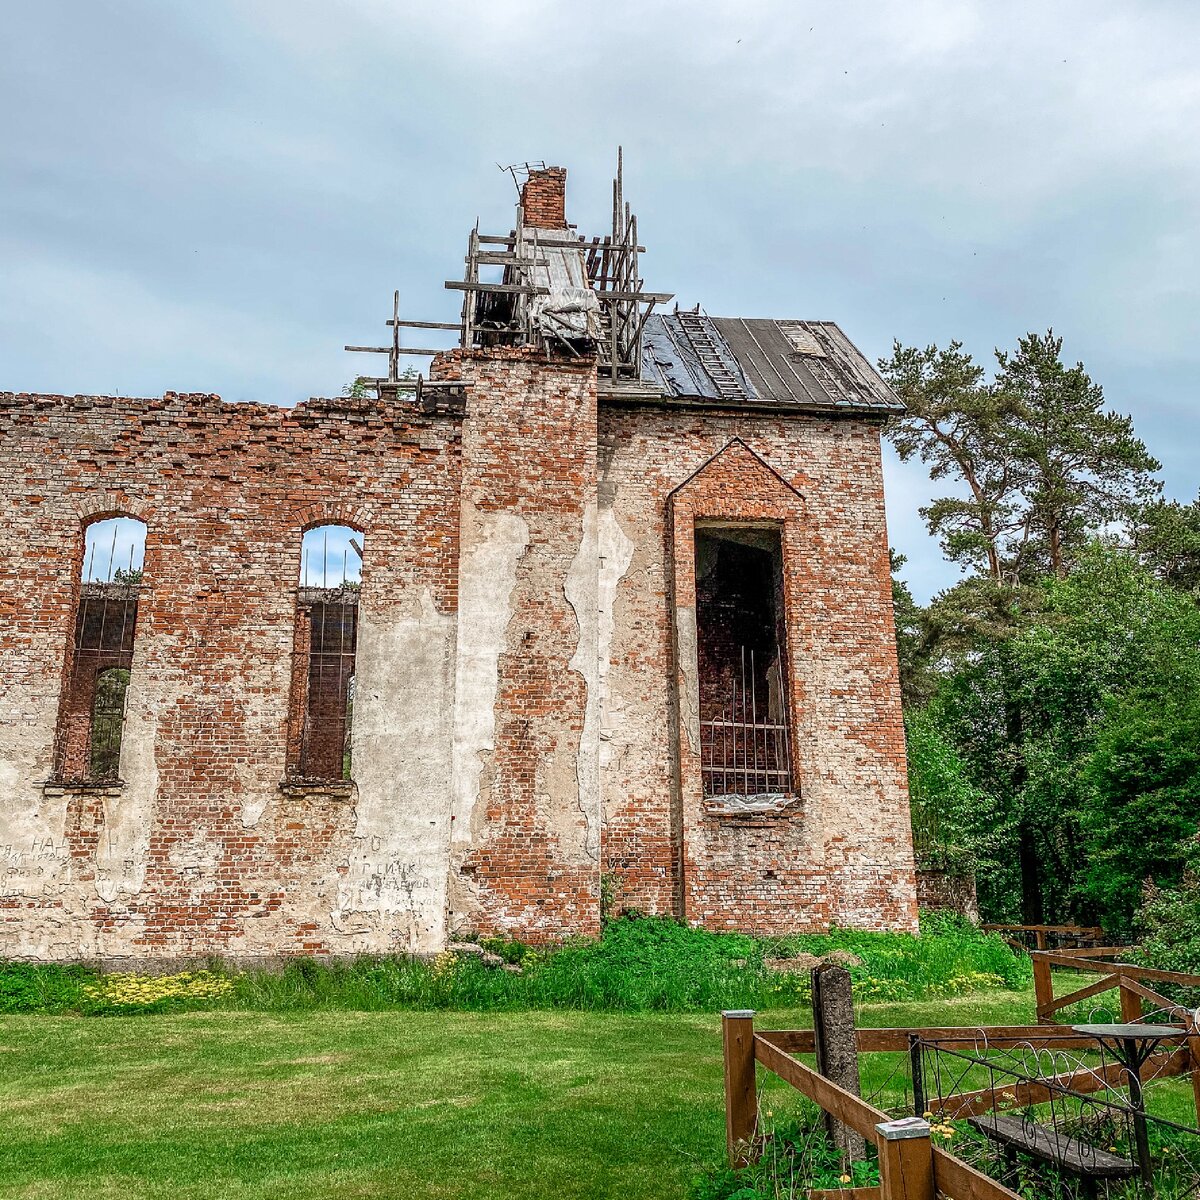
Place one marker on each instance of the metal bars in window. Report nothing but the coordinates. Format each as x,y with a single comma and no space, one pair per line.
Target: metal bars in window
108,723
328,711
326,641
744,752
92,714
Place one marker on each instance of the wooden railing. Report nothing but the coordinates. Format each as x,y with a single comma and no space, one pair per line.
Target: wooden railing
1129,980
1127,977
911,1167
1015,935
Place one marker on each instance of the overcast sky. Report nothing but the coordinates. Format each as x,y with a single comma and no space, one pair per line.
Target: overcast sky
218,196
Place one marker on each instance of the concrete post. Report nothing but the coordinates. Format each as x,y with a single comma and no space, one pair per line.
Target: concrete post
837,1049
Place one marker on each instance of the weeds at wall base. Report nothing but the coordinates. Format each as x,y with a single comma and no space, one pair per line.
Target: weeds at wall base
646,964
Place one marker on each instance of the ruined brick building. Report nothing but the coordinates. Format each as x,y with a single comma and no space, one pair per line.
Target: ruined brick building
599,612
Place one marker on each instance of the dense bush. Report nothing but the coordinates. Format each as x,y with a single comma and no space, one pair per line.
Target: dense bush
28,987
639,965
1170,921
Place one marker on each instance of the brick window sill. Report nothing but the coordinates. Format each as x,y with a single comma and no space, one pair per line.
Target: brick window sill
58,787
732,807
338,789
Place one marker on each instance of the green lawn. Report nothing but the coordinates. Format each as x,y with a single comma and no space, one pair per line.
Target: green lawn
382,1104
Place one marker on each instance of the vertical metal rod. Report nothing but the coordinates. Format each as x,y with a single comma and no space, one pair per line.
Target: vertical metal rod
341,691
758,782
724,752
112,553
742,731
706,747
786,721
103,623
917,1068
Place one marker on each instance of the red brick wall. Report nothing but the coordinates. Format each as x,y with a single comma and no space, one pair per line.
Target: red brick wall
843,852
529,838
201,849
543,198
497,734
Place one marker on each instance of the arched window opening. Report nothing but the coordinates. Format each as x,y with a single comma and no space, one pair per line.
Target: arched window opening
326,642
114,551
745,740
92,717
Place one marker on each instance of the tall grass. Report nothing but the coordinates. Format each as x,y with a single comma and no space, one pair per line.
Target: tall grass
649,964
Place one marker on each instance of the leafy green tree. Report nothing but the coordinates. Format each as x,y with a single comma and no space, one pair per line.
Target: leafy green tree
953,819
1105,679
1079,735
968,713
1080,468
1044,466
1166,539
911,646
956,424
1144,807
1039,468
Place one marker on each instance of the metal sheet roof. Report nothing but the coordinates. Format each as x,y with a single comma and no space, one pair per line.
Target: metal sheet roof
732,360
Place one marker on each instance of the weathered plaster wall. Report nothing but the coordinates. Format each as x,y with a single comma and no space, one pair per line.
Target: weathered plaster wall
843,853
526,840
200,849
526,700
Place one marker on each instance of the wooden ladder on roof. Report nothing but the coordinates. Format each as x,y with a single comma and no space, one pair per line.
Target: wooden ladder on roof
697,329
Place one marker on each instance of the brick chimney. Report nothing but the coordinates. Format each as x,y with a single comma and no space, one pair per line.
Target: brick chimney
544,198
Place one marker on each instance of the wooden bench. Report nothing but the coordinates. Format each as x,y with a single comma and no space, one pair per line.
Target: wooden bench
1048,1144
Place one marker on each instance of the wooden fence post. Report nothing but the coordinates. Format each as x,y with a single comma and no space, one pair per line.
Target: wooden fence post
1131,1004
905,1159
741,1097
1192,1021
1043,988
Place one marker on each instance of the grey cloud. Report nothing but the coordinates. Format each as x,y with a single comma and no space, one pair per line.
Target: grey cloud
218,196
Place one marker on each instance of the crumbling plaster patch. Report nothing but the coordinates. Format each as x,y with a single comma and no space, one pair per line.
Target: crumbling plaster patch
123,847
615,552
393,892
686,653
581,589
33,850
492,546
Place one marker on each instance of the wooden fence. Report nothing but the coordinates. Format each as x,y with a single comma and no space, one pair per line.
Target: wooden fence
911,1167
1129,980
1018,936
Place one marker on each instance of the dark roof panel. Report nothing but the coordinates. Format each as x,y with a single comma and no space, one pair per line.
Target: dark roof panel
731,360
